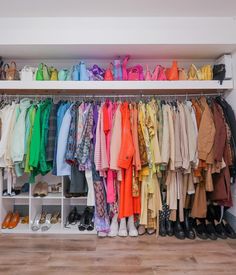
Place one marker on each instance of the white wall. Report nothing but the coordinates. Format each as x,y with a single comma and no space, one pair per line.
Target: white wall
117,30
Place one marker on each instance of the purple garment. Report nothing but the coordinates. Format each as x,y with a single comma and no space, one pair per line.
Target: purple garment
95,122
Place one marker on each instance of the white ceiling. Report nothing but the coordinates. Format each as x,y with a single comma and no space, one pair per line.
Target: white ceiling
118,8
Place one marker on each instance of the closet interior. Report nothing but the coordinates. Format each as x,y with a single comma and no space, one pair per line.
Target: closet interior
145,171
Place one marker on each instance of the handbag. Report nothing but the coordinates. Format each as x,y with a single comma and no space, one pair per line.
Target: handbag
148,75
117,69
75,73
53,74
96,73
62,74
182,74
219,72
194,73
39,73
135,73
4,72
124,68
162,74
11,72
27,73
46,73
83,72
108,73
172,73
68,74
206,72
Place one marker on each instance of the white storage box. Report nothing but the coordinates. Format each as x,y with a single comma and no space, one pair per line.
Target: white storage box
227,60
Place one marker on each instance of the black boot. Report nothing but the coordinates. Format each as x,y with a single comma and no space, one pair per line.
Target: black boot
188,227
162,228
229,230
211,232
178,230
169,228
200,229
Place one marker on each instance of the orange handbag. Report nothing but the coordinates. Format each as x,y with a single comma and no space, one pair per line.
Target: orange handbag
172,73
108,74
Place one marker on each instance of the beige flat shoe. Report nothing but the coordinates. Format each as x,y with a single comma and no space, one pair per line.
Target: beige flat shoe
37,189
43,190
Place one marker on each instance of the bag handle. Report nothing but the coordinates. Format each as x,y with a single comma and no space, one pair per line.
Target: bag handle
13,65
6,65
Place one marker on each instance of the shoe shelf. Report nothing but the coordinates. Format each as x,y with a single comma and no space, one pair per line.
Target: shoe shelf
28,205
87,87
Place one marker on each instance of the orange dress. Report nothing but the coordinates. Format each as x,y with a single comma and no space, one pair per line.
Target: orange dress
125,160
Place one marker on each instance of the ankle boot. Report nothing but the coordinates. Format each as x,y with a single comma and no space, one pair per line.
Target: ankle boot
178,230
200,229
169,228
188,228
162,228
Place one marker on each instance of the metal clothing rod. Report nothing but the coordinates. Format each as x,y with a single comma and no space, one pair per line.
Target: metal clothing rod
109,96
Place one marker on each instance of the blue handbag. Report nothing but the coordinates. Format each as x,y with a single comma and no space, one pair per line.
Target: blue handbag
117,70
75,73
62,75
84,76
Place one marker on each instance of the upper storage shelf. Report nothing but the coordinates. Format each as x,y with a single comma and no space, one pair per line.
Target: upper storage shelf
83,87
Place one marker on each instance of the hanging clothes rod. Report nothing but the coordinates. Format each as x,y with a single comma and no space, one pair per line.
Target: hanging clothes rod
109,96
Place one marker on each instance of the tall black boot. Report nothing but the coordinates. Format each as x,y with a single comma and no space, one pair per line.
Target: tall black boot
178,229
188,226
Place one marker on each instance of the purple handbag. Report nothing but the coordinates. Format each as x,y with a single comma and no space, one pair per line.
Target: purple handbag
96,73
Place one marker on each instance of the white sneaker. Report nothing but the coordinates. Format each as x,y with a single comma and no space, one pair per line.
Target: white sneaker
114,227
123,228
133,232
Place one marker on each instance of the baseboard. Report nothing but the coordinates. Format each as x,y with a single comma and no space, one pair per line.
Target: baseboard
231,219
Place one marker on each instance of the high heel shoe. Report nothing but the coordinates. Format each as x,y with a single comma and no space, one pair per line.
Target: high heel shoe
36,225
47,225
7,220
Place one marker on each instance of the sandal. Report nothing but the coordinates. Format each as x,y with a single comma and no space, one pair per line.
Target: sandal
141,230
55,218
25,220
43,218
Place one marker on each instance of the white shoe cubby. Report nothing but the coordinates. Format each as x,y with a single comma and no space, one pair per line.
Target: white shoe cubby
26,204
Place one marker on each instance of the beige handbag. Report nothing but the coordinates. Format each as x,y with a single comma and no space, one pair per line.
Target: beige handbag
182,74
12,73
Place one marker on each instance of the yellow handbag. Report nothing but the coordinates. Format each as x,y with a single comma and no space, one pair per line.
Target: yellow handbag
182,74
207,72
54,74
194,73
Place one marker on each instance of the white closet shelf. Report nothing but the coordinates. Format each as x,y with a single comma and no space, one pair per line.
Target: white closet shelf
84,87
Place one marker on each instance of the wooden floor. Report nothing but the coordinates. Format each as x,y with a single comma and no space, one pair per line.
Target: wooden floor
56,255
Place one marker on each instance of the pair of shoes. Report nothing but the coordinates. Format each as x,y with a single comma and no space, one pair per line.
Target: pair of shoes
14,192
178,230
11,220
73,217
41,189
127,229
55,188
205,229
86,220
69,195
166,227
25,220
45,220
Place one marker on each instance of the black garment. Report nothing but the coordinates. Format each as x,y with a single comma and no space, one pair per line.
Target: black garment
78,181
52,128
231,121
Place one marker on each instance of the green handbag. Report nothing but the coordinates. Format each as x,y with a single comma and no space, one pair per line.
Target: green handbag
46,73
39,73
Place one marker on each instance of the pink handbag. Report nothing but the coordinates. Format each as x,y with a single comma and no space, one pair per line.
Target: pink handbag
124,68
148,75
135,73
161,75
